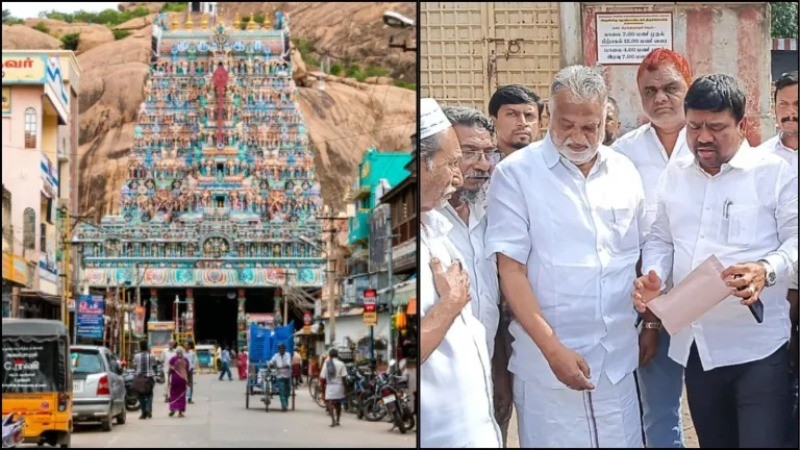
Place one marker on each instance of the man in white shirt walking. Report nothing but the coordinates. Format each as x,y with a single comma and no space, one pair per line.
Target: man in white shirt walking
466,212
455,371
784,144
564,218
740,205
663,79
282,361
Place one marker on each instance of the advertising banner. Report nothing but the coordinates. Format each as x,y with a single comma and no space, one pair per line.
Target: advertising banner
90,316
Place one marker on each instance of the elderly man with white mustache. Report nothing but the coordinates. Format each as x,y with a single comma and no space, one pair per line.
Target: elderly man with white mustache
564,219
455,373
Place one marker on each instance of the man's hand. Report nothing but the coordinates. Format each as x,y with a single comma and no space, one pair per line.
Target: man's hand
453,285
570,368
645,288
747,281
648,345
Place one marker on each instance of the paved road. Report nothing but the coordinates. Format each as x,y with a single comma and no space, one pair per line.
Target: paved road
218,418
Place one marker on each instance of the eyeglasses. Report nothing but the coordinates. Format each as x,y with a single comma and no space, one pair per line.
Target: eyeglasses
471,157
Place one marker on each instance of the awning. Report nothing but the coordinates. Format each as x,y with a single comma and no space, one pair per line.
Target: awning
403,292
362,193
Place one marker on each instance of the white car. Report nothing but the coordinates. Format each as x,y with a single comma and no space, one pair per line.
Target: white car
98,386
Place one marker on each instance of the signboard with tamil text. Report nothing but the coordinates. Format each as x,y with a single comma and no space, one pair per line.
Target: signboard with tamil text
90,316
626,38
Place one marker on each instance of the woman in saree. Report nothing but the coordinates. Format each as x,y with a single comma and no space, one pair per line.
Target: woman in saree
241,364
178,382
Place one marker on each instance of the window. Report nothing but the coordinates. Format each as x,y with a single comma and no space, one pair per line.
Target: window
47,210
29,232
31,125
42,237
8,230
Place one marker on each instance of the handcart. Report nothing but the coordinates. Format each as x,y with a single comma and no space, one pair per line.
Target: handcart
262,377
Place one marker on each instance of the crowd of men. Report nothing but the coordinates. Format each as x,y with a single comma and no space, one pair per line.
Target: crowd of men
539,258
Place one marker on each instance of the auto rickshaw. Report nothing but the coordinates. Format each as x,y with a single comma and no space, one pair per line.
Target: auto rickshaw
37,379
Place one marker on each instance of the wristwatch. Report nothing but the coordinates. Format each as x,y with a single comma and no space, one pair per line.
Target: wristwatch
654,325
770,272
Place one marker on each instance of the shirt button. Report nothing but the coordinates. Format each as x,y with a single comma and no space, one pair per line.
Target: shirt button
702,236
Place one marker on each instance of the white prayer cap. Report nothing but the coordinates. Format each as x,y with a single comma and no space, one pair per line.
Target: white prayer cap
431,118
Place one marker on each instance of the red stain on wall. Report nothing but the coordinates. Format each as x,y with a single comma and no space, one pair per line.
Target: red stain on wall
748,32
699,40
589,36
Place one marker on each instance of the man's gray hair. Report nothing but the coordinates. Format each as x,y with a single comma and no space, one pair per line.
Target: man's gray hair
469,117
584,84
428,147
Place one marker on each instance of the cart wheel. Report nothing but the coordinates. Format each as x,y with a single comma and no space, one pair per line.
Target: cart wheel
247,396
267,395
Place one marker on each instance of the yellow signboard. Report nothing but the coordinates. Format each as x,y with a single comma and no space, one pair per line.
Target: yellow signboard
6,100
15,269
23,69
370,318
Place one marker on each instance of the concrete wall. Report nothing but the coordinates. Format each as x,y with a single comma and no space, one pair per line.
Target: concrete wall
729,38
22,173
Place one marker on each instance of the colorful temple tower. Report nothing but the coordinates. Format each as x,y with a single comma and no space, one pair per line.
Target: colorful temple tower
221,201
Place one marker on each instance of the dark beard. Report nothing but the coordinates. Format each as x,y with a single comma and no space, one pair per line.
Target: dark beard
520,145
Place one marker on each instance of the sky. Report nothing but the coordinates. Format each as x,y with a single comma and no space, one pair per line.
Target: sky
26,10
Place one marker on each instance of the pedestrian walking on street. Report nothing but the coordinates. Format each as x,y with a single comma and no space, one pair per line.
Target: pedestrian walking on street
166,356
144,379
297,368
178,382
191,356
241,364
283,362
225,357
333,372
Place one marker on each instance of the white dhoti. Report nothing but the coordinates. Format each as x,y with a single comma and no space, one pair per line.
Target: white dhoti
606,417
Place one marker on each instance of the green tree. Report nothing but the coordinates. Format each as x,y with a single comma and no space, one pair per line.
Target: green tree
70,41
784,19
41,26
6,15
120,34
140,11
336,69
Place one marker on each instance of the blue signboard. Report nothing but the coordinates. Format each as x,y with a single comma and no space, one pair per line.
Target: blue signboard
90,316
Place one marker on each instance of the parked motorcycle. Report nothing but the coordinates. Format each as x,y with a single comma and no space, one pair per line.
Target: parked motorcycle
131,397
13,427
160,379
396,404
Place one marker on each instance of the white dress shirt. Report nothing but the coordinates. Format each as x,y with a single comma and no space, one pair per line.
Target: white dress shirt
646,152
775,145
456,392
579,238
483,282
747,212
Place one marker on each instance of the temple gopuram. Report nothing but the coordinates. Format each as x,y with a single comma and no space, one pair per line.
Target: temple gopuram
220,205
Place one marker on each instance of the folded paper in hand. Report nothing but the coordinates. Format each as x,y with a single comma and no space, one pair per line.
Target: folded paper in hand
695,295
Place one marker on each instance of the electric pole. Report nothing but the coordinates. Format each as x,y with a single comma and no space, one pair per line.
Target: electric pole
331,231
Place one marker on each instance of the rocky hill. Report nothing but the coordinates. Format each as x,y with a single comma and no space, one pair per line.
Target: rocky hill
344,119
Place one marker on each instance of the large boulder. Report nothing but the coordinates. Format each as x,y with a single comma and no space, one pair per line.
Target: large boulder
21,37
91,35
347,30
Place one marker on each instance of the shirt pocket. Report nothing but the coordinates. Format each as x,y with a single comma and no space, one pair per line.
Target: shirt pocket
741,224
624,229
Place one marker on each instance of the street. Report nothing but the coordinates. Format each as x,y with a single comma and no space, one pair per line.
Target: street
218,418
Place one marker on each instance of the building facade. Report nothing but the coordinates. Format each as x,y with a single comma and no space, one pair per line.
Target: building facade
221,199
40,141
